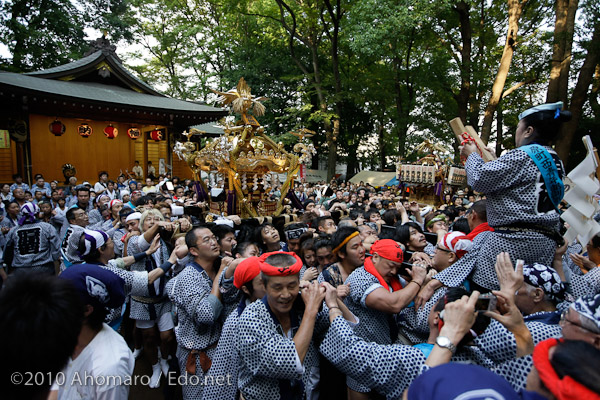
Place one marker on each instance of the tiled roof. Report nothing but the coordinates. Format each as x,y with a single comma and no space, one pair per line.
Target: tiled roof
209,128
109,94
89,63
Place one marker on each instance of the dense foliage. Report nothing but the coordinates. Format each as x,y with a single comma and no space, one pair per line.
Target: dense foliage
373,78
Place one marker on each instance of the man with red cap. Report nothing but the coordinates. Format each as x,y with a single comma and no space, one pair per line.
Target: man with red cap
277,356
389,369
247,280
377,293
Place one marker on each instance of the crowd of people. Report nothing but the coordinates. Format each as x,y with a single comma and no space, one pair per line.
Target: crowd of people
360,294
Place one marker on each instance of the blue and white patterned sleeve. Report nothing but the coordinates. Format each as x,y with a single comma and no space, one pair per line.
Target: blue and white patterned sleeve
387,369
203,307
231,294
429,250
455,274
568,264
54,244
119,245
497,343
320,278
94,217
588,284
495,175
302,271
264,351
136,282
135,245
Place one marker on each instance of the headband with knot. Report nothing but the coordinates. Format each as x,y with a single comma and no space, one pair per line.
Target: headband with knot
272,270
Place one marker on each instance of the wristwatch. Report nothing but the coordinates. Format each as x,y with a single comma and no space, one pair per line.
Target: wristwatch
444,342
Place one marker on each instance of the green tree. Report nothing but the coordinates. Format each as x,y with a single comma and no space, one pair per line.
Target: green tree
394,35
41,33
45,33
115,17
311,31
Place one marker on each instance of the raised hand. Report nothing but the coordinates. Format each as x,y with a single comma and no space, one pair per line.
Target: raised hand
424,295
583,262
313,295
343,291
510,279
460,315
310,274
155,245
331,295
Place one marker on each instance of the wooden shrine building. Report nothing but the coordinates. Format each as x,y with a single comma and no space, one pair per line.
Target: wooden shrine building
93,114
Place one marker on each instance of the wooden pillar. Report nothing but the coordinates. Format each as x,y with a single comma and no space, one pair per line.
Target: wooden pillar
145,138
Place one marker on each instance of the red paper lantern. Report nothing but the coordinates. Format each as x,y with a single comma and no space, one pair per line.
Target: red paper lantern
84,130
111,132
156,135
57,128
134,133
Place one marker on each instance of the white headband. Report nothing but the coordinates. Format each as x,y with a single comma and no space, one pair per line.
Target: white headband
94,240
133,216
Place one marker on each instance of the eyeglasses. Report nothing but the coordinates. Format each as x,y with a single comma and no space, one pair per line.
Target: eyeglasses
437,247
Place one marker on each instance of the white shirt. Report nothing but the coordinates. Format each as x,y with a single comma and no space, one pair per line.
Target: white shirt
97,371
112,195
149,189
100,187
138,171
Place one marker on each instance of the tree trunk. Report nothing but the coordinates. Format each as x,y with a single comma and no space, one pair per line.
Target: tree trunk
332,144
381,147
336,15
564,27
312,42
352,166
330,134
403,104
563,86
499,133
464,94
580,95
475,98
515,7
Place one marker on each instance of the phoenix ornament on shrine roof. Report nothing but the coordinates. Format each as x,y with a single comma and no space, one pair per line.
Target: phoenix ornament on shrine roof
242,100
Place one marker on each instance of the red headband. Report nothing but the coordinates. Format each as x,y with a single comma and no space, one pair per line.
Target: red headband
563,389
270,270
457,242
246,271
388,249
113,202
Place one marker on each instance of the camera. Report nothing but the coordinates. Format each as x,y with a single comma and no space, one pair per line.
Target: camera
486,302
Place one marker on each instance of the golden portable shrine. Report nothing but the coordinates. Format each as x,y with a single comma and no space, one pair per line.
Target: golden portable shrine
428,177
246,159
